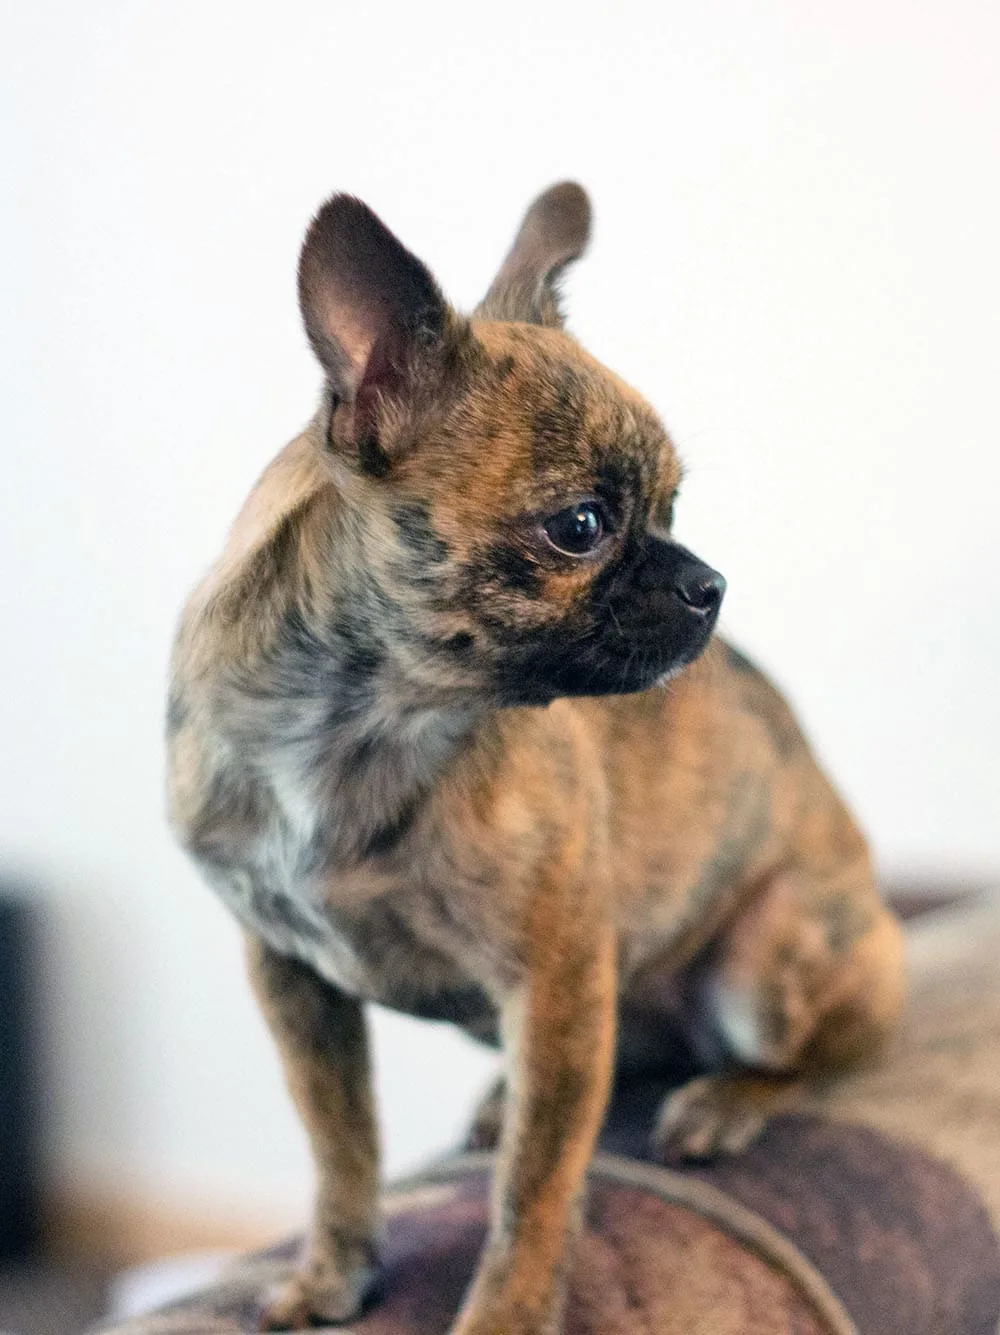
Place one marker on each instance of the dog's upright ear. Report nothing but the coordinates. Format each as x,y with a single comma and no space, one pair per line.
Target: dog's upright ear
554,232
380,327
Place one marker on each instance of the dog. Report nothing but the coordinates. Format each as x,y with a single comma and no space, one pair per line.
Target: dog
449,731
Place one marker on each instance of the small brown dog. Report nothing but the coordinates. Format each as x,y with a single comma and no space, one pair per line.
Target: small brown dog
428,741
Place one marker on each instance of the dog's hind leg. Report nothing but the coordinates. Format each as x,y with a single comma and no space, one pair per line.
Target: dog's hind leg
807,980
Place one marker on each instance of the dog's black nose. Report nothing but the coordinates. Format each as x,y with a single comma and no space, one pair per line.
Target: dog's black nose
700,587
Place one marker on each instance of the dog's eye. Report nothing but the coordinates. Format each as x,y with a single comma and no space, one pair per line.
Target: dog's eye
578,530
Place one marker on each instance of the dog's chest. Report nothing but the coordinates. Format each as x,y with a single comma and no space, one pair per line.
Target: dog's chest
291,827
392,948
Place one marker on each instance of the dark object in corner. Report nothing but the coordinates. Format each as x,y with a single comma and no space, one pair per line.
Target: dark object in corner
19,1140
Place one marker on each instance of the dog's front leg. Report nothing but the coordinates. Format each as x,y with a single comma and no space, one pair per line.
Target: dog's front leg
559,1033
322,1040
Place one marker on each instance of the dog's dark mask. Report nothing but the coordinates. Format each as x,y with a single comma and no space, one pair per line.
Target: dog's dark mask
644,618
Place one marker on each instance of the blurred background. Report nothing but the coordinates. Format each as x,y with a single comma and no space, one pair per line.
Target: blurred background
795,258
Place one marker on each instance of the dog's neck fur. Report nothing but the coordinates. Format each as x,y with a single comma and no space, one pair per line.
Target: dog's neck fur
332,717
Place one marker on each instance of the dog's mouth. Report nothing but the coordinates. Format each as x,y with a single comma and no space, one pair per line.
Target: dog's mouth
651,654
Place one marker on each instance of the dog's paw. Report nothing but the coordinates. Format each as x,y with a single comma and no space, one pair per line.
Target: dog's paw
319,1295
716,1114
487,1125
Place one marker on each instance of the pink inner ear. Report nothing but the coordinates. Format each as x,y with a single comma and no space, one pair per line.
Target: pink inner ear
383,375
357,321
353,335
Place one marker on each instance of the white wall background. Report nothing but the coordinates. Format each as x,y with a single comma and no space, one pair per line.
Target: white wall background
798,216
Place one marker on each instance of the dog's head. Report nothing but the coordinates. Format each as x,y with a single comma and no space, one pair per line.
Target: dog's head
512,498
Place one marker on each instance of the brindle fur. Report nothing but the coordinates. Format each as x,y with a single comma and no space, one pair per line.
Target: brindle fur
430,762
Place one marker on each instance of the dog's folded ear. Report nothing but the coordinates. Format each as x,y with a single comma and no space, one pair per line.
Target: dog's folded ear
554,232
377,321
